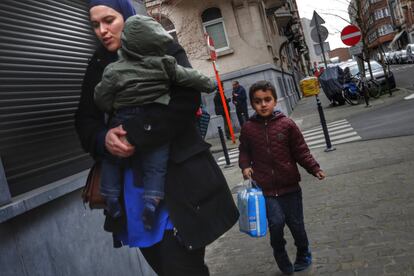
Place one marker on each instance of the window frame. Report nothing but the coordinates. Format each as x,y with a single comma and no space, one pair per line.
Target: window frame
213,22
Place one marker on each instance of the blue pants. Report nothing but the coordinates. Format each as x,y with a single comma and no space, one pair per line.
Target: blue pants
286,209
152,163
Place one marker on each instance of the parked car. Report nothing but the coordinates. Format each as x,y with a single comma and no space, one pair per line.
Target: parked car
387,58
377,72
394,57
403,57
410,53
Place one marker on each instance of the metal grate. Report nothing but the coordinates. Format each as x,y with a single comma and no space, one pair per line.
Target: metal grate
44,50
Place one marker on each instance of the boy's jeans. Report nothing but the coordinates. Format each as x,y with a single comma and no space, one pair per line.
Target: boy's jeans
286,209
151,164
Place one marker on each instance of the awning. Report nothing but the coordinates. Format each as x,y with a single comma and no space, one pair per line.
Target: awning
396,37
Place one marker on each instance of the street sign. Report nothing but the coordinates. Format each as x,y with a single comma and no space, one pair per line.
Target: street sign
316,20
323,32
318,49
351,35
356,50
211,48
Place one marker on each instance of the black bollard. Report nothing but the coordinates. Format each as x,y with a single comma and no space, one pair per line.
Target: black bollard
224,146
324,127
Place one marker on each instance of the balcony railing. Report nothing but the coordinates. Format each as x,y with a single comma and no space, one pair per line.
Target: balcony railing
274,4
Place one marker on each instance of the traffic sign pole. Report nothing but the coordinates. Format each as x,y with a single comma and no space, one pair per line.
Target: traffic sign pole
329,147
213,56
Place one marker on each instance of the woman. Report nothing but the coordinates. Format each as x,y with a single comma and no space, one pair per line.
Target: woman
198,204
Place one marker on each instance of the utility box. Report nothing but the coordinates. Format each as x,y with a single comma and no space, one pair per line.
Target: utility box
309,86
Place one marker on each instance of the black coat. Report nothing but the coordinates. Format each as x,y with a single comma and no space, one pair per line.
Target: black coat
218,105
198,199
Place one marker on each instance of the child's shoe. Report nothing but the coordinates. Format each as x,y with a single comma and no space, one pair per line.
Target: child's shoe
283,262
303,259
148,215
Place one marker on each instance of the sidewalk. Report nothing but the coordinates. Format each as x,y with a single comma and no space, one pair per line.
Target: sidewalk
360,220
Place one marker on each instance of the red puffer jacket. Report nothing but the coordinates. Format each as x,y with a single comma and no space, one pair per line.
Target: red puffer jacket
272,146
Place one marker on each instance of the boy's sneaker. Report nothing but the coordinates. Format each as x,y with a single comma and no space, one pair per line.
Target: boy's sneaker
283,262
148,215
303,259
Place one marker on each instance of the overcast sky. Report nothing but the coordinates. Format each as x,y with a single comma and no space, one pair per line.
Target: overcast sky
326,9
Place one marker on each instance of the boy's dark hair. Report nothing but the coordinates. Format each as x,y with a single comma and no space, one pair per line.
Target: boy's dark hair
262,85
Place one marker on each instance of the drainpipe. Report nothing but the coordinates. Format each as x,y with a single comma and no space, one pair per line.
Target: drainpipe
263,17
282,46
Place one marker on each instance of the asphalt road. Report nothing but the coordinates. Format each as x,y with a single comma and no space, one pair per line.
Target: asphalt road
390,121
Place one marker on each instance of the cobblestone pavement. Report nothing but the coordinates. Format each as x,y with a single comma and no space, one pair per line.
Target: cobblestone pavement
360,220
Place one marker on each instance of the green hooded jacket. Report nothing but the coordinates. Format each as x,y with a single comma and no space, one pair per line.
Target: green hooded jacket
143,73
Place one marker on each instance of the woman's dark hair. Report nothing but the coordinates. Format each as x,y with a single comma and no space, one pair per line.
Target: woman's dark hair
262,85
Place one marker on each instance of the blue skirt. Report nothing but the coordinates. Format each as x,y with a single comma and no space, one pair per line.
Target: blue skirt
135,234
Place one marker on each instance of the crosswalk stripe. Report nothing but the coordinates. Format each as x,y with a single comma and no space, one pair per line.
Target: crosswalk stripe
231,161
329,129
331,133
333,138
350,139
328,125
233,154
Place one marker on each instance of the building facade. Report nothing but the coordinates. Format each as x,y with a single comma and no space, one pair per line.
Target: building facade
254,40
341,53
402,12
386,24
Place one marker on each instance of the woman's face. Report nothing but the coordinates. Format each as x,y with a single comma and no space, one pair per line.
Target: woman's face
108,25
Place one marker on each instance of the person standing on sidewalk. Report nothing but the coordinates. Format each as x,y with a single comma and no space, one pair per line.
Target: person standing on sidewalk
270,147
219,109
240,102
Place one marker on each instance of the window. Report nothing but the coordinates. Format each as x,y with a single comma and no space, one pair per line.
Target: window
213,24
168,25
385,29
372,36
381,13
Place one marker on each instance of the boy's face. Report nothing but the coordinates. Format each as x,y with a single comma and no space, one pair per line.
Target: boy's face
263,102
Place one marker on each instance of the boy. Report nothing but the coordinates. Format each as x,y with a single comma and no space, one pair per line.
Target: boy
270,146
138,84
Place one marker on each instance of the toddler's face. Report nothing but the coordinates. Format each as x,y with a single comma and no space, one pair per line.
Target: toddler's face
263,102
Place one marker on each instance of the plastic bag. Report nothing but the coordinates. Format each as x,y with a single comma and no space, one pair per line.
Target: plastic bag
252,208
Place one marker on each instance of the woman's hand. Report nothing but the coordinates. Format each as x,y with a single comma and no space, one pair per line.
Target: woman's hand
247,173
117,144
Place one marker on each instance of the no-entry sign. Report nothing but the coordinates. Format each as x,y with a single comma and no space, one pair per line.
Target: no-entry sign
351,35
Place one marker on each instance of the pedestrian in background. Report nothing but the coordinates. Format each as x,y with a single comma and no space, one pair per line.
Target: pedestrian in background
240,102
270,147
184,224
219,109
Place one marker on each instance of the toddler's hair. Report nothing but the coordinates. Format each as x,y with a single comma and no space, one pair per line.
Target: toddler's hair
262,85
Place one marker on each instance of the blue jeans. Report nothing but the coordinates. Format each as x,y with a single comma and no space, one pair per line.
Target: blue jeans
152,163
286,209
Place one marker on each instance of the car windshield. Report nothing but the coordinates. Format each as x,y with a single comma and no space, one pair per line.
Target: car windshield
374,66
355,70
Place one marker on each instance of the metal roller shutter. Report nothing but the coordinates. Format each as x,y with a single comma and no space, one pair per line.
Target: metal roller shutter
44,50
